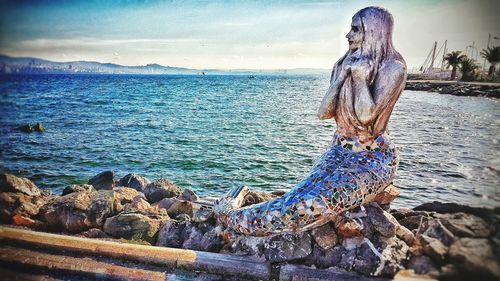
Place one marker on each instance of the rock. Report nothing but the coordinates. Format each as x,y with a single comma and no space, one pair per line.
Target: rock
77,188
68,212
383,222
94,233
406,235
160,189
104,204
387,195
21,220
193,238
133,226
26,128
465,225
422,265
170,234
326,258
475,257
349,228
183,217
325,236
11,183
255,197
241,245
204,215
134,181
435,229
212,241
104,180
451,208
12,204
180,207
434,249
366,260
286,247
127,194
38,127
188,195
414,221
394,253
165,203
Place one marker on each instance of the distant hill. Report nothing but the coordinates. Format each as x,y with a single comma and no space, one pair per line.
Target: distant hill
12,65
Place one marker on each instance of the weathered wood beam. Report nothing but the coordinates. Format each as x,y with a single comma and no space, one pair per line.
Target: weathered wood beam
229,265
78,266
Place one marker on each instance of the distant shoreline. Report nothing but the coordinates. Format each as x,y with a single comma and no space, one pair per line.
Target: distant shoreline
457,88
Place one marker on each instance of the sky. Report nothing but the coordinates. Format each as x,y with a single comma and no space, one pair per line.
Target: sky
232,34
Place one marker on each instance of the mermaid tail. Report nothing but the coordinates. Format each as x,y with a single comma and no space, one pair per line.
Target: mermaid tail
347,175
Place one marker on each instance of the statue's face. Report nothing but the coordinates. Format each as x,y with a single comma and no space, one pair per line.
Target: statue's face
355,35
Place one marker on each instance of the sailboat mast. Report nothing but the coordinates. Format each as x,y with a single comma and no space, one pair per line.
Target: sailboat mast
433,55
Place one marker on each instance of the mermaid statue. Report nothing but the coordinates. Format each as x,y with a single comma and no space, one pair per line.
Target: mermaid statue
361,161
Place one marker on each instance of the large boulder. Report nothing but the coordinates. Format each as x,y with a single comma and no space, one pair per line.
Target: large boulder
127,194
171,234
69,212
104,180
325,236
77,188
383,222
160,189
104,204
134,226
188,195
476,258
134,181
465,225
287,247
20,205
11,183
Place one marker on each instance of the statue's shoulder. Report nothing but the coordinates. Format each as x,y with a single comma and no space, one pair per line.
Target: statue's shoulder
395,67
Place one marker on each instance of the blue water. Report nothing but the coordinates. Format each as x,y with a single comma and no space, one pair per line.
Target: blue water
211,133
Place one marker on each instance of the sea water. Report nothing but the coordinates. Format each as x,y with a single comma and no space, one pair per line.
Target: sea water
212,133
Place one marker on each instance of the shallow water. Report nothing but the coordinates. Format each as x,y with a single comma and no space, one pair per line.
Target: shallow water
211,133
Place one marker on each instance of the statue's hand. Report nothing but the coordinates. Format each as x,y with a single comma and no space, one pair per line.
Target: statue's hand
360,69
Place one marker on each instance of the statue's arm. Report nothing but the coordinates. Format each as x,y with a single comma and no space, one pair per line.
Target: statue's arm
329,102
370,102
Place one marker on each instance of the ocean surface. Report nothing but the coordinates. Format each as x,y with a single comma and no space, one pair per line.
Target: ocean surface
212,133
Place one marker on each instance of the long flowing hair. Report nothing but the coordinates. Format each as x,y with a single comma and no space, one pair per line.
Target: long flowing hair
377,24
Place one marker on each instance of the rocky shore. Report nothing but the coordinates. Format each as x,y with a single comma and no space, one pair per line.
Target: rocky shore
455,88
443,241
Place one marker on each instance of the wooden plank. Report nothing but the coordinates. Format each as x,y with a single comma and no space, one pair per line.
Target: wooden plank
79,266
221,264
11,275
294,272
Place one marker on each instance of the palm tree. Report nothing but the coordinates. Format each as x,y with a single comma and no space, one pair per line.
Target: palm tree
492,55
453,59
468,67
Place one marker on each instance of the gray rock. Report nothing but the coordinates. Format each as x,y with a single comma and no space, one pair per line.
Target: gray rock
394,255
193,238
465,225
170,234
104,204
68,212
127,194
255,197
94,233
406,235
160,189
325,236
212,241
165,203
104,180
383,222
435,229
134,181
188,195
475,257
133,226
19,204
179,207
11,183
422,265
433,248
286,247
325,258
413,220
77,188
204,215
